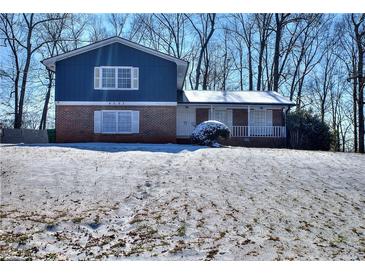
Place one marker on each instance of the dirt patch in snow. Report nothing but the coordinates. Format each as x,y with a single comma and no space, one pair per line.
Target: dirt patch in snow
170,202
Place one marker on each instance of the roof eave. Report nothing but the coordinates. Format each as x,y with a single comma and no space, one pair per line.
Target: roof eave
52,60
50,63
237,103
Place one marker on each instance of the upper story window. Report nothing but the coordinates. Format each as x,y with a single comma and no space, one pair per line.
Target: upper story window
116,78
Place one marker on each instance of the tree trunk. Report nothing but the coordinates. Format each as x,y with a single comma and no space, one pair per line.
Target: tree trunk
360,98
259,67
360,67
19,120
278,32
354,97
43,122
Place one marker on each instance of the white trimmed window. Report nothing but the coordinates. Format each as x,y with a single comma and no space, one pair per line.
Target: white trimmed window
224,116
260,117
261,122
116,78
116,121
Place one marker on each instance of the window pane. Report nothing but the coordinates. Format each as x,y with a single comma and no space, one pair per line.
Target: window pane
257,118
109,122
124,121
108,79
220,116
124,78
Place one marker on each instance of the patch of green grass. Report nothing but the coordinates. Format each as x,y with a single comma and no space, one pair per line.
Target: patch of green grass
354,230
274,238
288,229
51,256
181,230
180,246
120,243
338,240
221,235
77,220
134,220
211,254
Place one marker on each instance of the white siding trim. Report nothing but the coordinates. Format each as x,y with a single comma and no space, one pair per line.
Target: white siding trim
135,78
233,106
97,77
135,121
114,103
97,121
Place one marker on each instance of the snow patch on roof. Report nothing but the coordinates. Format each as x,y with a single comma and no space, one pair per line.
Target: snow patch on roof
235,97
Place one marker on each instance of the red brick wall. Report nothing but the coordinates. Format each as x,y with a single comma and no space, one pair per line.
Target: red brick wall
256,142
157,124
240,117
247,142
202,114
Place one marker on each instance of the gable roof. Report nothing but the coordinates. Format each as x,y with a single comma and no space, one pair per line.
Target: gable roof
235,97
182,65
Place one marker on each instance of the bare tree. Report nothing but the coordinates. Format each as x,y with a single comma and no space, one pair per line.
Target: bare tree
118,22
25,38
359,31
324,81
281,20
308,55
263,22
348,56
242,27
204,27
53,33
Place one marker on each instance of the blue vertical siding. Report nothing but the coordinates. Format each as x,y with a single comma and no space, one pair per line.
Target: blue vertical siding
75,76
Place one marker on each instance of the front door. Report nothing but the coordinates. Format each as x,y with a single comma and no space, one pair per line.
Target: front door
185,121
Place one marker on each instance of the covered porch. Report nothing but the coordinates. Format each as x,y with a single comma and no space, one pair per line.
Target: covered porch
244,121
255,118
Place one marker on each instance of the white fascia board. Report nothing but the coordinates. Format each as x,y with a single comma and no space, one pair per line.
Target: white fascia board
228,105
114,103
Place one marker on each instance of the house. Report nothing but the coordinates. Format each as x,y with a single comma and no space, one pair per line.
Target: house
119,91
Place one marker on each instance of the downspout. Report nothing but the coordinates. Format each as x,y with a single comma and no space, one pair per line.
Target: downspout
284,121
287,141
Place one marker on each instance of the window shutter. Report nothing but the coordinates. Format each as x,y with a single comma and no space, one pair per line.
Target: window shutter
97,121
135,121
135,78
97,76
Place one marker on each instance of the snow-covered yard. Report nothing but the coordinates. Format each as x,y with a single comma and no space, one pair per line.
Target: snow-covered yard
171,202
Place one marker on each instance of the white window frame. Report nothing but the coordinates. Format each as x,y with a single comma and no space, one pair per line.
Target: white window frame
227,113
116,68
266,117
116,121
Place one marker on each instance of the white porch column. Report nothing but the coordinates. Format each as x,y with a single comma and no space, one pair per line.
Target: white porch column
211,113
248,121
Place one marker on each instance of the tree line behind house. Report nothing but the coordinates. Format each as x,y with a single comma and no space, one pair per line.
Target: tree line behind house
315,59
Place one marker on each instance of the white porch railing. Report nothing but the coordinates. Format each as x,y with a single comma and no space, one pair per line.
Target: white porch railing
258,131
